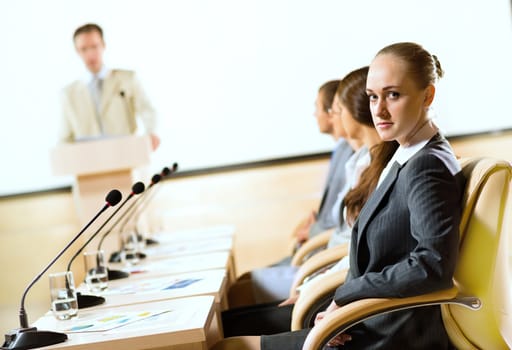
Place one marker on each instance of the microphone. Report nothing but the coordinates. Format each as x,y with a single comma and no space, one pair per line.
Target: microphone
116,256
84,300
126,106
128,109
27,337
119,274
166,172
154,179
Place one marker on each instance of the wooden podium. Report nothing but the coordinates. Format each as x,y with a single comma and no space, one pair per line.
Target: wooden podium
99,166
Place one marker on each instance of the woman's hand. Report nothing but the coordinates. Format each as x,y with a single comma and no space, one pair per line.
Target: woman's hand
320,316
290,301
302,231
340,339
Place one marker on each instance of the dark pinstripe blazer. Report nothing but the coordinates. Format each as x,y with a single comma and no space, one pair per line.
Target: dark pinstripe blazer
405,243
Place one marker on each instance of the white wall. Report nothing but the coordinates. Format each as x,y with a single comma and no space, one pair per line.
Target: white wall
235,80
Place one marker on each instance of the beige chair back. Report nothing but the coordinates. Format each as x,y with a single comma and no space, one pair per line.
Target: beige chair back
484,265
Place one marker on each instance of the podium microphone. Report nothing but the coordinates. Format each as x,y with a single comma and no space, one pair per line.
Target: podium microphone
112,276
127,107
27,337
85,300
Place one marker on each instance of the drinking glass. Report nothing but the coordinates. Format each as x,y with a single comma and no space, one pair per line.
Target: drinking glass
130,249
63,295
96,273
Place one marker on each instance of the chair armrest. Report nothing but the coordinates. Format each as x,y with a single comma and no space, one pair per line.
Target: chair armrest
317,262
310,245
348,315
313,298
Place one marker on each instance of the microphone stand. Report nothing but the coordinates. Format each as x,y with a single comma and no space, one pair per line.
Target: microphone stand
166,173
116,274
27,337
88,300
116,256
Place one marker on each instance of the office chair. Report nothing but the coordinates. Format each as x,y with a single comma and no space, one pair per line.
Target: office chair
315,298
317,264
310,247
477,310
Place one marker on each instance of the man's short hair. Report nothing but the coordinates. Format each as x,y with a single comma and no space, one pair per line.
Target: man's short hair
87,28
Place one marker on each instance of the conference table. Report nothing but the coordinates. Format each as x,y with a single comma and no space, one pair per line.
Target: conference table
150,268
172,236
170,301
175,324
131,291
192,247
196,241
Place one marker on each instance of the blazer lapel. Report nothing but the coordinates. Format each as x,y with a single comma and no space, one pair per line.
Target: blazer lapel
373,202
110,87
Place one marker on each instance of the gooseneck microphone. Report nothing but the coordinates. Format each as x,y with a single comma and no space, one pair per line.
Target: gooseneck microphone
27,337
165,173
85,300
116,256
154,180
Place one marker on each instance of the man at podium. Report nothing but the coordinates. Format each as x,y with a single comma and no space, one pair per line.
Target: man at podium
107,101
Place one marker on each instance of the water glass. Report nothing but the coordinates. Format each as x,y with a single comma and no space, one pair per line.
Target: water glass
141,242
130,249
96,273
63,295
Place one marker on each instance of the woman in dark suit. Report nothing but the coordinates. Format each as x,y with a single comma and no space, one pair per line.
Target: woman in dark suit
405,240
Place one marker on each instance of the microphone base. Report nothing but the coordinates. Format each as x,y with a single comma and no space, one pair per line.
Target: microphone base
31,338
117,274
115,257
87,300
151,241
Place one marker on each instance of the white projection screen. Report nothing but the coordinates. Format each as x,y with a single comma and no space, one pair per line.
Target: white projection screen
234,81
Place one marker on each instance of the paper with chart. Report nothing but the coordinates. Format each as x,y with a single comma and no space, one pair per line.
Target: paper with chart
109,320
152,285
